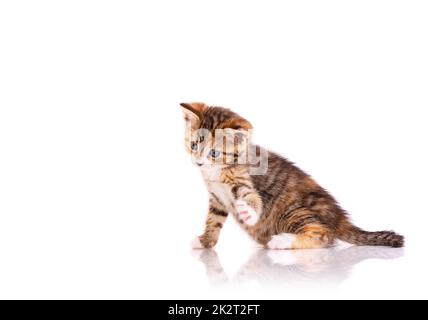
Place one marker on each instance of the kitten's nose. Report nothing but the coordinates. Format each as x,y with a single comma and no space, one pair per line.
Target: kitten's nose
199,162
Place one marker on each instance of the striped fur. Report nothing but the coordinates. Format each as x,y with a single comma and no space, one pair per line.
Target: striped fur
285,199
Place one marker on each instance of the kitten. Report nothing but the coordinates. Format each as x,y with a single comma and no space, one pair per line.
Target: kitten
283,208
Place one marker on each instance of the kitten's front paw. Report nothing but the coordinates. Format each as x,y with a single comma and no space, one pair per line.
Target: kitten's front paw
246,213
196,243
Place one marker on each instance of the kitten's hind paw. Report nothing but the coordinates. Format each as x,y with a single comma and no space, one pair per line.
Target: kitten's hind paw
282,241
196,243
245,213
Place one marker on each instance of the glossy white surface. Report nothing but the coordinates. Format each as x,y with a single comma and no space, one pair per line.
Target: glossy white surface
286,268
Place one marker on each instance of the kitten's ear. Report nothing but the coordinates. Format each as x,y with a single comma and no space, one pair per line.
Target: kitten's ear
193,113
236,124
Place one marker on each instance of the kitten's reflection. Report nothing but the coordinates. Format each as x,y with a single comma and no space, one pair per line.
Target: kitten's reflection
331,265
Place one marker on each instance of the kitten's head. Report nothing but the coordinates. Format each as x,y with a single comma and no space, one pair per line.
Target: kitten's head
214,136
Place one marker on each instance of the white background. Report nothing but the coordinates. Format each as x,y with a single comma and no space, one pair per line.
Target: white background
98,198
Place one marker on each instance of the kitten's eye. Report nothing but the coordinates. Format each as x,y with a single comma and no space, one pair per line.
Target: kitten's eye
214,153
194,146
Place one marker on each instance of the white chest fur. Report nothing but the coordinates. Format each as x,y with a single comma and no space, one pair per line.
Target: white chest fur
239,208
223,193
221,190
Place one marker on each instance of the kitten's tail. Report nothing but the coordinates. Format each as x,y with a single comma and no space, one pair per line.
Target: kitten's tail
349,233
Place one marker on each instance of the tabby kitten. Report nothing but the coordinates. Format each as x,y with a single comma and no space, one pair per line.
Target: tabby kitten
282,208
